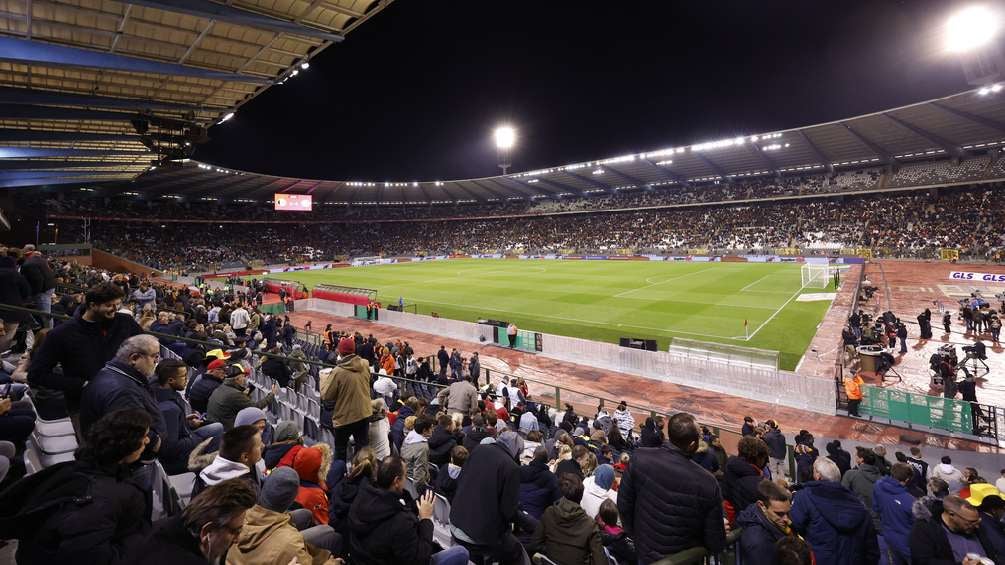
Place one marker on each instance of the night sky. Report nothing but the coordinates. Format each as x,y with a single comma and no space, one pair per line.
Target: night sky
414,93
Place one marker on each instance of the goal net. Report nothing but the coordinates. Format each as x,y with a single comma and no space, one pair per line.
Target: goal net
815,276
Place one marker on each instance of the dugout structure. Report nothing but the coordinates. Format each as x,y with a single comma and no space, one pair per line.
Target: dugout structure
348,294
723,353
292,288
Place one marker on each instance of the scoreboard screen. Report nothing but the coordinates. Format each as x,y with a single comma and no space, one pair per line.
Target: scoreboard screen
292,202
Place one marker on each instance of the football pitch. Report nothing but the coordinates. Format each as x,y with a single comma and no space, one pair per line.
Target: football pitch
605,300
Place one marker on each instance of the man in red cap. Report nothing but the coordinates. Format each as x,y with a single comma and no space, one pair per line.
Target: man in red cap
348,388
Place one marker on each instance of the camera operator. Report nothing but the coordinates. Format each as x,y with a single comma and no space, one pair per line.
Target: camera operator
925,324
947,321
902,335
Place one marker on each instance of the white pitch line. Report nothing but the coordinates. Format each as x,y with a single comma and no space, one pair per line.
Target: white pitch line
772,317
744,289
623,293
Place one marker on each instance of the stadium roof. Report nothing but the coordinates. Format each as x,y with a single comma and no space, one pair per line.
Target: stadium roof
955,126
96,90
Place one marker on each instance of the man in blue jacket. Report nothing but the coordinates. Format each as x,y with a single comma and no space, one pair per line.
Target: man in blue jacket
764,523
892,503
182,431
833,520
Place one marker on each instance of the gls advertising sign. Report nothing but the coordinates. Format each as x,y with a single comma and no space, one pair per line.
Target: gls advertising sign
968,276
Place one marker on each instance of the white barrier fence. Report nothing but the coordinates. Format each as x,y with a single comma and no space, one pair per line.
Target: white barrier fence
784,388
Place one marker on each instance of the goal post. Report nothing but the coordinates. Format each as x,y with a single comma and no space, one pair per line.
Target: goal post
815,275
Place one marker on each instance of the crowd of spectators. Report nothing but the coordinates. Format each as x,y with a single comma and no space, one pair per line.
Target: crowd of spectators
411,429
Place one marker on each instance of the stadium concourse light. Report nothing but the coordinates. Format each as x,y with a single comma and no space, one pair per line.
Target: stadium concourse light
505,137
971,28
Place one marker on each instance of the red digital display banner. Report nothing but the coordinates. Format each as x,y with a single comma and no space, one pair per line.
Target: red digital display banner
292,202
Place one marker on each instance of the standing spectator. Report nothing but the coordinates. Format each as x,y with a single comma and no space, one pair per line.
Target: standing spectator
204,532
853,389
892,503
14,291
460,397
668,503
233,396
862,479
743,474
951,535
748,426
511,332
486,503
182,432
455,363
385,386
764,523
474,367
920,468
80,346
948,473
839,456
882,464
145,296
239,453
833,520
268,535
566,534
902,335
38,273
115,518
652,432
239,320
776,449
348,387
124,383
805,455
443,358
624,419
386,530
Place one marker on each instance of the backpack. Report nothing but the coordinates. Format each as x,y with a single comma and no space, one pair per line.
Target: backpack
28,504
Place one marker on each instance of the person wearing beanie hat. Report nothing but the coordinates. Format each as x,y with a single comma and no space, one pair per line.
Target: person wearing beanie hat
286,441
269,536
347,387
312,465
597,488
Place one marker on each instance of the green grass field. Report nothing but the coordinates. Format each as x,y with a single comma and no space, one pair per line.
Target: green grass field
604,300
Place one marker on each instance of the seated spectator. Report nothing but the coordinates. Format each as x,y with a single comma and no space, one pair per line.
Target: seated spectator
565,533
989,502
268,535
478,432
446,481
113,522
387,530
764,523
312,465
613,536
532,441
182,431
233,396
363,472
538,485
287,440
238,457
443,440
415,453
275,367
202,389
573,465
951,535
254,416
597,488
528,423
380,429
833,520
204,532
17,421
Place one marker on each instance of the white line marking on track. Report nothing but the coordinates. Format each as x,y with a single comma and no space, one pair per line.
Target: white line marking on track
623,293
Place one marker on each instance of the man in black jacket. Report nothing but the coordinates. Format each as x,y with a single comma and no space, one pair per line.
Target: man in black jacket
387,527
951,535
667,502
485,504
41,279
14,291
81,347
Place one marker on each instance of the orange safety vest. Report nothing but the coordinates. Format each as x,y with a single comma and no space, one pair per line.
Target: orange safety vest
853,387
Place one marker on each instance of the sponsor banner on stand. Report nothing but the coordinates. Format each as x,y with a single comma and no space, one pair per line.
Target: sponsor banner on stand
972,276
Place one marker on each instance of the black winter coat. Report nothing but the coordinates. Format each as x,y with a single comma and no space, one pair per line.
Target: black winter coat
38,274
757,540
170,544
384,529
202,389
668,503
740,482
119,387
82,348
930,545
340,501
538,488
488,494
440,444
776,443
14,291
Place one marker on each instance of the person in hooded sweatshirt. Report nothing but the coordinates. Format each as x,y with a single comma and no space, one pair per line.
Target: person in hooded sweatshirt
839,456
833,520
597,488
948,473
268,535
446,482
892,502
538,485
565,533
388,528
443,440
415,453
312,465
348,387
237,459
764,523
862,479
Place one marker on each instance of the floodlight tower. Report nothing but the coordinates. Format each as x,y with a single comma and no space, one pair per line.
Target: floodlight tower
972,33
505,137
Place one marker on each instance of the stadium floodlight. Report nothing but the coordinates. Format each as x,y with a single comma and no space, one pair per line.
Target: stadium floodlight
971,28
305,65
505,137
226,117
